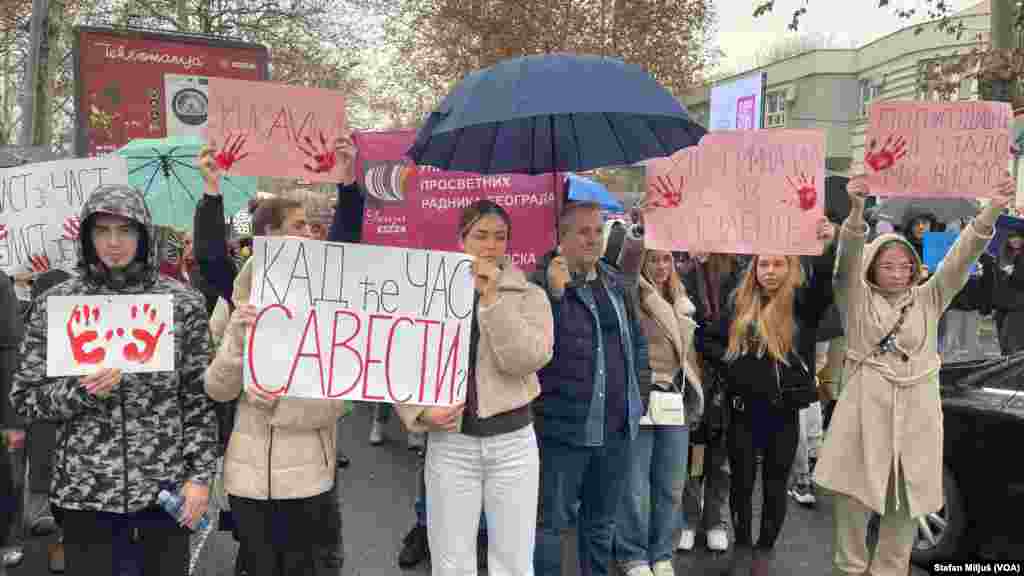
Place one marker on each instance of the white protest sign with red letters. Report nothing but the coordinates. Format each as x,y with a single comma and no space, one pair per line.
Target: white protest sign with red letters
359,322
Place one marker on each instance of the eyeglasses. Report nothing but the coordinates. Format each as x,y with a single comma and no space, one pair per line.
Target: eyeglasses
896,268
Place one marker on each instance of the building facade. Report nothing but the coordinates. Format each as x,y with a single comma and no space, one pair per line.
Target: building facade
830,89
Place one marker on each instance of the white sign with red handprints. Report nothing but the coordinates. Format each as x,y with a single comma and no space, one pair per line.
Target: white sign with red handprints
359,322
85,333
40,205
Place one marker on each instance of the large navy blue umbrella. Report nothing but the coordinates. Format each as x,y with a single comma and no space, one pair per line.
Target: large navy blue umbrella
554,113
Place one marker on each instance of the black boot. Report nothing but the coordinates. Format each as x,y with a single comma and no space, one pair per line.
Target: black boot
415,548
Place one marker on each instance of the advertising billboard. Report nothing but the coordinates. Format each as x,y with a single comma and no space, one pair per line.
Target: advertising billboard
737,105
133,83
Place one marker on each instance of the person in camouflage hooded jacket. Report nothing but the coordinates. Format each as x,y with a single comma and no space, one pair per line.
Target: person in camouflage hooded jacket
117,448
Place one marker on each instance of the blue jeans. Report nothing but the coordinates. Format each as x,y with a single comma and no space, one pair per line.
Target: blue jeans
420,505
582,487
652,499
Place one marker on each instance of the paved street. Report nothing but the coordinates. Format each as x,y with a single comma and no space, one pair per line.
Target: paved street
378,492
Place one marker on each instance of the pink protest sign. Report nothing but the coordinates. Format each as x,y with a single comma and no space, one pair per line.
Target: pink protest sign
937,149
741,192
275,130
413,206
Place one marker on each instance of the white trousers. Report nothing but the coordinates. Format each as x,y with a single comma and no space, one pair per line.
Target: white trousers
499,474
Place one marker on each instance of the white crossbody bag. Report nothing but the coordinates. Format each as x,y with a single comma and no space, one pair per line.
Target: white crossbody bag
666,408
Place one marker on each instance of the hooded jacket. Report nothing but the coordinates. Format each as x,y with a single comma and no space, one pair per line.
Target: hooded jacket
889,415
907,228
114,454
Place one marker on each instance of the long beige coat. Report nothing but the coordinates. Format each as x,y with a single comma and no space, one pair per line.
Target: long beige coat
889,414
281,450
517,338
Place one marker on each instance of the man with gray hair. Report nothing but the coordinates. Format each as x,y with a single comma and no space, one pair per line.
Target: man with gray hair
590,407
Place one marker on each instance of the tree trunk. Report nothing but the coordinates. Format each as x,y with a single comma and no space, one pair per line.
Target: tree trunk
1003,18
183,23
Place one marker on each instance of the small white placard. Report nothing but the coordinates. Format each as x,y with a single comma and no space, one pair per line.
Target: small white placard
132,332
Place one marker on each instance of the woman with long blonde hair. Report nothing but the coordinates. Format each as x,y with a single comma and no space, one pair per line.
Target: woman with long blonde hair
764,346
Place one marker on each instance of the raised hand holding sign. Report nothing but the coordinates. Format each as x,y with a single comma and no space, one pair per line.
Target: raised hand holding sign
129,333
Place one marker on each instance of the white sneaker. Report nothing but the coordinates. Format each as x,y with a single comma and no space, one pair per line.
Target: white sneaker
664,568
686,540
640,570
376,434
718,539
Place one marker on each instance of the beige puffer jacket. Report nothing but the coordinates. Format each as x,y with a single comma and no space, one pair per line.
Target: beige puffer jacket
281,450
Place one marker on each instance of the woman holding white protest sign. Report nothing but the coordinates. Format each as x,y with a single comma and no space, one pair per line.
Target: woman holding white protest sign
279,466
884,449
765,348
483,453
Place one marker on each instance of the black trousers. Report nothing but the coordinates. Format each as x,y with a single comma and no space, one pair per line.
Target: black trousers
285,537
774,432
101,543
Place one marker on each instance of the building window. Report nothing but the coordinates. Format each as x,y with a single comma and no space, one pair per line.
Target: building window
869,92
775,109
945,86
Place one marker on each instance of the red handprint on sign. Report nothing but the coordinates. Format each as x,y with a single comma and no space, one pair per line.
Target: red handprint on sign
894,149
230,153
40,263
132,352
324,158
72,227
81,327
806,192
663,194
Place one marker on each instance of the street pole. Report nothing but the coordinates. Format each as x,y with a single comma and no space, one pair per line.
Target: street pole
35,77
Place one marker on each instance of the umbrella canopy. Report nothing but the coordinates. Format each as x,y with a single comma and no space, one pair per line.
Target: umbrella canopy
944,210
554,113
165,171
586,190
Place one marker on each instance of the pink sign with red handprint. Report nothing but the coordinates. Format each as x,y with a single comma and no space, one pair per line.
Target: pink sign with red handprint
276,130
937,149
85,333
742,192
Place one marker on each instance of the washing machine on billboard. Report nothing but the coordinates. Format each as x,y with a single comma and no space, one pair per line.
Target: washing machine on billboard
188,103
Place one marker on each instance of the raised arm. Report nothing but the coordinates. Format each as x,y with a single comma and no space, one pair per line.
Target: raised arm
954,270
848,284
210,231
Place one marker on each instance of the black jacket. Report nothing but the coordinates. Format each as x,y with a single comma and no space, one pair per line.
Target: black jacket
753,377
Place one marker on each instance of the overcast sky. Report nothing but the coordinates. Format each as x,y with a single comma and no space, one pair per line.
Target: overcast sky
849,22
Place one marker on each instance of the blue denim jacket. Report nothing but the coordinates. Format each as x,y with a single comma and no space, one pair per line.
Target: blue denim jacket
571,408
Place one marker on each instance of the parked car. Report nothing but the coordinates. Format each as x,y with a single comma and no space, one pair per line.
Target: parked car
983,481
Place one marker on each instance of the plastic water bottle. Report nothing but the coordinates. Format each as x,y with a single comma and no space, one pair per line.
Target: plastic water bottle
173,503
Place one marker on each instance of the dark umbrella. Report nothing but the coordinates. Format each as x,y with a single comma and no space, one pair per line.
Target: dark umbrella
945,210
554,113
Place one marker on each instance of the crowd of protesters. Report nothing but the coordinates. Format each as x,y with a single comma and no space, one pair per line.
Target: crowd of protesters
615,391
